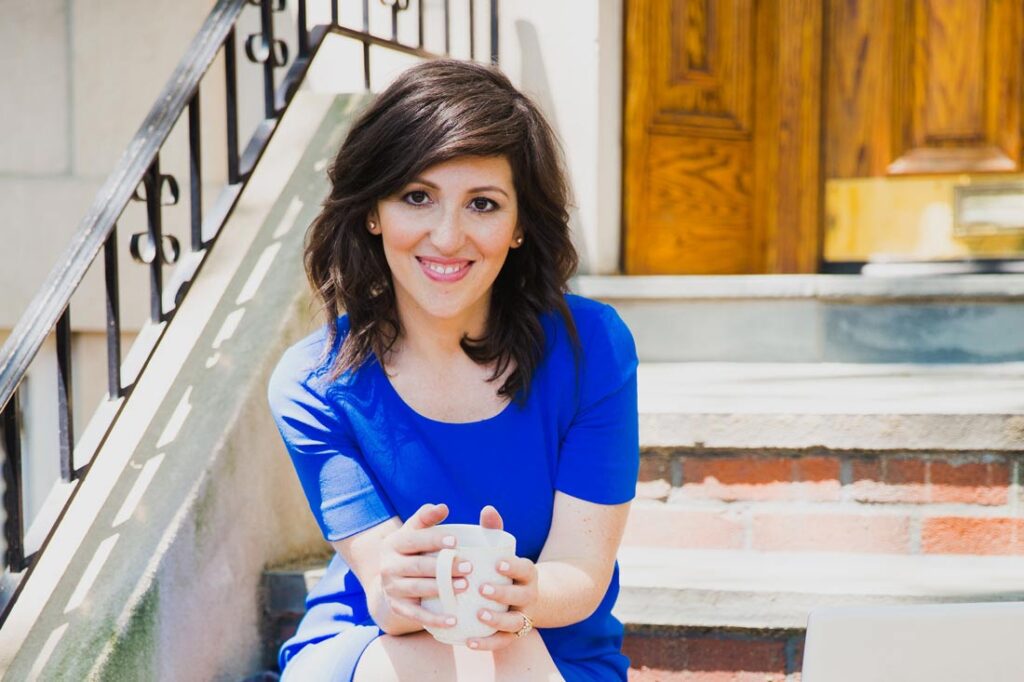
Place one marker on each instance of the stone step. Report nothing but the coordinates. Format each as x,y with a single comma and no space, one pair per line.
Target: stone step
738,615
818,318
832,406
724,614
831,457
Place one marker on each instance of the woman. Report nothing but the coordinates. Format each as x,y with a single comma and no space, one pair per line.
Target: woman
463,384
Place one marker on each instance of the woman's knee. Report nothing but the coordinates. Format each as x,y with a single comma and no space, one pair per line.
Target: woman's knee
526,659
419,656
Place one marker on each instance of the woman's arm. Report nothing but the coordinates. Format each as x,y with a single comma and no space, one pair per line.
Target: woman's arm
407,573
576,564
362,553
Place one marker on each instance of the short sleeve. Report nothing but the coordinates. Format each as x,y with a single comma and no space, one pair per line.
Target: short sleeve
599,458
341,491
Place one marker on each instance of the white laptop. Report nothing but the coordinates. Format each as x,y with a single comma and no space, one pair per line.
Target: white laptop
926,643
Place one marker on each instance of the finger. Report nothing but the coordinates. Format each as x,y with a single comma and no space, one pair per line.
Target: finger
422,566
519,569
499,640
490,518
426,516
410,609
505,621
421,588
513,595
423,540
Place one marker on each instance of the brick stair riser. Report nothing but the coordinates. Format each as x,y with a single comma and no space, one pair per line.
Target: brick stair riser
693,655
963,503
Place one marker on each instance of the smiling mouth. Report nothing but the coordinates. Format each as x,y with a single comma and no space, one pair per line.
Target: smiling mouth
444,272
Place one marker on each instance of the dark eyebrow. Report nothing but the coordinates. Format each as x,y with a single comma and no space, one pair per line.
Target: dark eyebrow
485,188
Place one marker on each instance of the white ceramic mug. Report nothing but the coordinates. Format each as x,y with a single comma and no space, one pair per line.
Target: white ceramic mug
482,547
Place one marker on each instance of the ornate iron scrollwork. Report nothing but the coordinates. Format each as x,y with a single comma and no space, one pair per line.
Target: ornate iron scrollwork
259,49
143,250
141,245
140,192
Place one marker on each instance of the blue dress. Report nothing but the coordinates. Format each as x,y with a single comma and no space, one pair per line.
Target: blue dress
363,455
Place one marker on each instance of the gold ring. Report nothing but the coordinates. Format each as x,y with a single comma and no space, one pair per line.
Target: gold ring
527,625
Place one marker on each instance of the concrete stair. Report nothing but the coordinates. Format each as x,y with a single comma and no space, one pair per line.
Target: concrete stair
767,489
818,318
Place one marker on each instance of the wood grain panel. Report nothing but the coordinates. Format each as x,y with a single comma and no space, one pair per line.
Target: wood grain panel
708,186
859,93
951,113
702,62
923,86
699,204
788,176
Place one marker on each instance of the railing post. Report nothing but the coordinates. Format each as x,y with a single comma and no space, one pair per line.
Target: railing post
494,31
65,397
195,191
114,389
14,524
231,105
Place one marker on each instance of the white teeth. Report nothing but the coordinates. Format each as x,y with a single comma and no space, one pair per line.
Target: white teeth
443,269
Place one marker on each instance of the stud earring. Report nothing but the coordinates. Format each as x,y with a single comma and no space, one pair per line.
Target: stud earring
519,240
373,226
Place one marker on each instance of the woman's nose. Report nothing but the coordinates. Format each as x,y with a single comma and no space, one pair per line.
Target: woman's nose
447,236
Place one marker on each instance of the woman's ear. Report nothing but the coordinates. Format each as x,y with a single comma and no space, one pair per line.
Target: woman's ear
372,222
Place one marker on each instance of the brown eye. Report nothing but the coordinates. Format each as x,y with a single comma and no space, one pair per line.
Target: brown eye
416,198
483,205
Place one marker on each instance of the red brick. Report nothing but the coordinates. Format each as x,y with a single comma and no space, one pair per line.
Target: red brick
971,482
905,471
817,469
761,478
668,525
877,480
832,532
705,658
974,535
738,470
654,467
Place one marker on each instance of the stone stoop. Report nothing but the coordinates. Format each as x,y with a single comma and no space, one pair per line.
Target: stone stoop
769,489
740,616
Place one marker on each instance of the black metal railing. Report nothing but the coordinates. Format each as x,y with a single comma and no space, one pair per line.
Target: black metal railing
138,177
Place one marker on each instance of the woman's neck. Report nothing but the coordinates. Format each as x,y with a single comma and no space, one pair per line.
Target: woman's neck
436,340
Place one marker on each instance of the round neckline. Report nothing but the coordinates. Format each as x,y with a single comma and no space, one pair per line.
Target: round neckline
397,397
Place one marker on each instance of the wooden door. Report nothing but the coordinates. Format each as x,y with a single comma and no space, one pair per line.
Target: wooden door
721,133
922,97
767,136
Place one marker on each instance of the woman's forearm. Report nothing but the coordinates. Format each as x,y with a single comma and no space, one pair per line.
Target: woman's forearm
386,619
566,594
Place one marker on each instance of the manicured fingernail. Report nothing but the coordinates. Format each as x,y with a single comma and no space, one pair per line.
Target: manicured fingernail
486,615
503,566
450,620
488,589
448,541
473,645
459,584
465,567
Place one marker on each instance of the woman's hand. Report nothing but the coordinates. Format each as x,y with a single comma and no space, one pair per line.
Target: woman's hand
519,595
406,576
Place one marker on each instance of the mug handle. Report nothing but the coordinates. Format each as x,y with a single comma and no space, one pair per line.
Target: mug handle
445,590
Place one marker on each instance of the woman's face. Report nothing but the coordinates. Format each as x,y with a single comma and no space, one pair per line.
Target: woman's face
446,235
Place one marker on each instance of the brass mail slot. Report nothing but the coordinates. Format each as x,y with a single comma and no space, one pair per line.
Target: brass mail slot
988,209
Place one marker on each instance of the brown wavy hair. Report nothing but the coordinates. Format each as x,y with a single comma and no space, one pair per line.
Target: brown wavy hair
433,112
